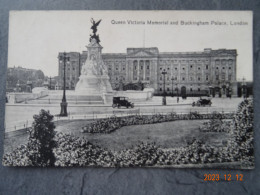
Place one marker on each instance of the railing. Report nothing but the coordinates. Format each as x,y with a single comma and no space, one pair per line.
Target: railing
21,125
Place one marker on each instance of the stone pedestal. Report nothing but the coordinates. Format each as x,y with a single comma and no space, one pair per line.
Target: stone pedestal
89,85
94,80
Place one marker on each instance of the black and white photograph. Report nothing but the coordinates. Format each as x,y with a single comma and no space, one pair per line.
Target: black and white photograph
164,89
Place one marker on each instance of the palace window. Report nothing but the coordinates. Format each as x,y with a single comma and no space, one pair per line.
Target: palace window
223,61
190,66
198,78
176,68
160,78
217,77
160,89
141,67
135,64
190,89
223,68
183,78
207,67
198,68
147,67
207,78
168,89
198,89
147,78
229,68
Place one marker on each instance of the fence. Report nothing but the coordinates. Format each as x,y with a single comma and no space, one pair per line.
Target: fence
18,125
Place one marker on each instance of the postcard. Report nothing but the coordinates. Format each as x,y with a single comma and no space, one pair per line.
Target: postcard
130,89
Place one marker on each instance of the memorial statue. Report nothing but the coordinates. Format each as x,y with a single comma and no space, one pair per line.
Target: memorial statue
94,29
94,79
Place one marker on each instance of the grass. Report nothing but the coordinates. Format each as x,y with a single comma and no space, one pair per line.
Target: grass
168,134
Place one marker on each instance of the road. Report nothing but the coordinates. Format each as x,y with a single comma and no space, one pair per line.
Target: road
18,114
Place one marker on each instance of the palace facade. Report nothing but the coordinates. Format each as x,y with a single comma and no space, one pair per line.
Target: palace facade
209,72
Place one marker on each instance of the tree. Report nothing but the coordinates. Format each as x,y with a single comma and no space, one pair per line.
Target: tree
243,131
41,140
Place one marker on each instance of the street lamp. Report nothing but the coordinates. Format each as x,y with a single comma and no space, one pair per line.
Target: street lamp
172,85
244,89
164,93
64,104
50,83
177,89
228,90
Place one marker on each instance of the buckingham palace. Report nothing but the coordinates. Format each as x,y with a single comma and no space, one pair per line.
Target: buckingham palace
207,72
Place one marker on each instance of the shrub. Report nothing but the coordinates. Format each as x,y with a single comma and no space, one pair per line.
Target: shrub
41,140
143,154
243,131
75,151
39,149
18,157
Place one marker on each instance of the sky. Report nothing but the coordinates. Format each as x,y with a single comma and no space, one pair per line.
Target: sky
36,37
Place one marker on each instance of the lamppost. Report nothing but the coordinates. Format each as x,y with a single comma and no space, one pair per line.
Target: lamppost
164,93
244,89
177,89
228,90
172,85
64,104
50,83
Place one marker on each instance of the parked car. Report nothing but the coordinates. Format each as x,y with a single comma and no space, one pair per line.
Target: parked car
202,102
121,101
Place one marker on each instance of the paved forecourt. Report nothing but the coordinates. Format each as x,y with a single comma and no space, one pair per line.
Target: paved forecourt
21,115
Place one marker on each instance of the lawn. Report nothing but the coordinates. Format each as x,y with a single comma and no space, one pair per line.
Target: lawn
168,134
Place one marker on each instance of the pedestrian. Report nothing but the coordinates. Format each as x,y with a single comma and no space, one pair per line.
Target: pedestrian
177,99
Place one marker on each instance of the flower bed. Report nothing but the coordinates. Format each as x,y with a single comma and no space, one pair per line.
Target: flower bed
217,125
75,151
111,124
